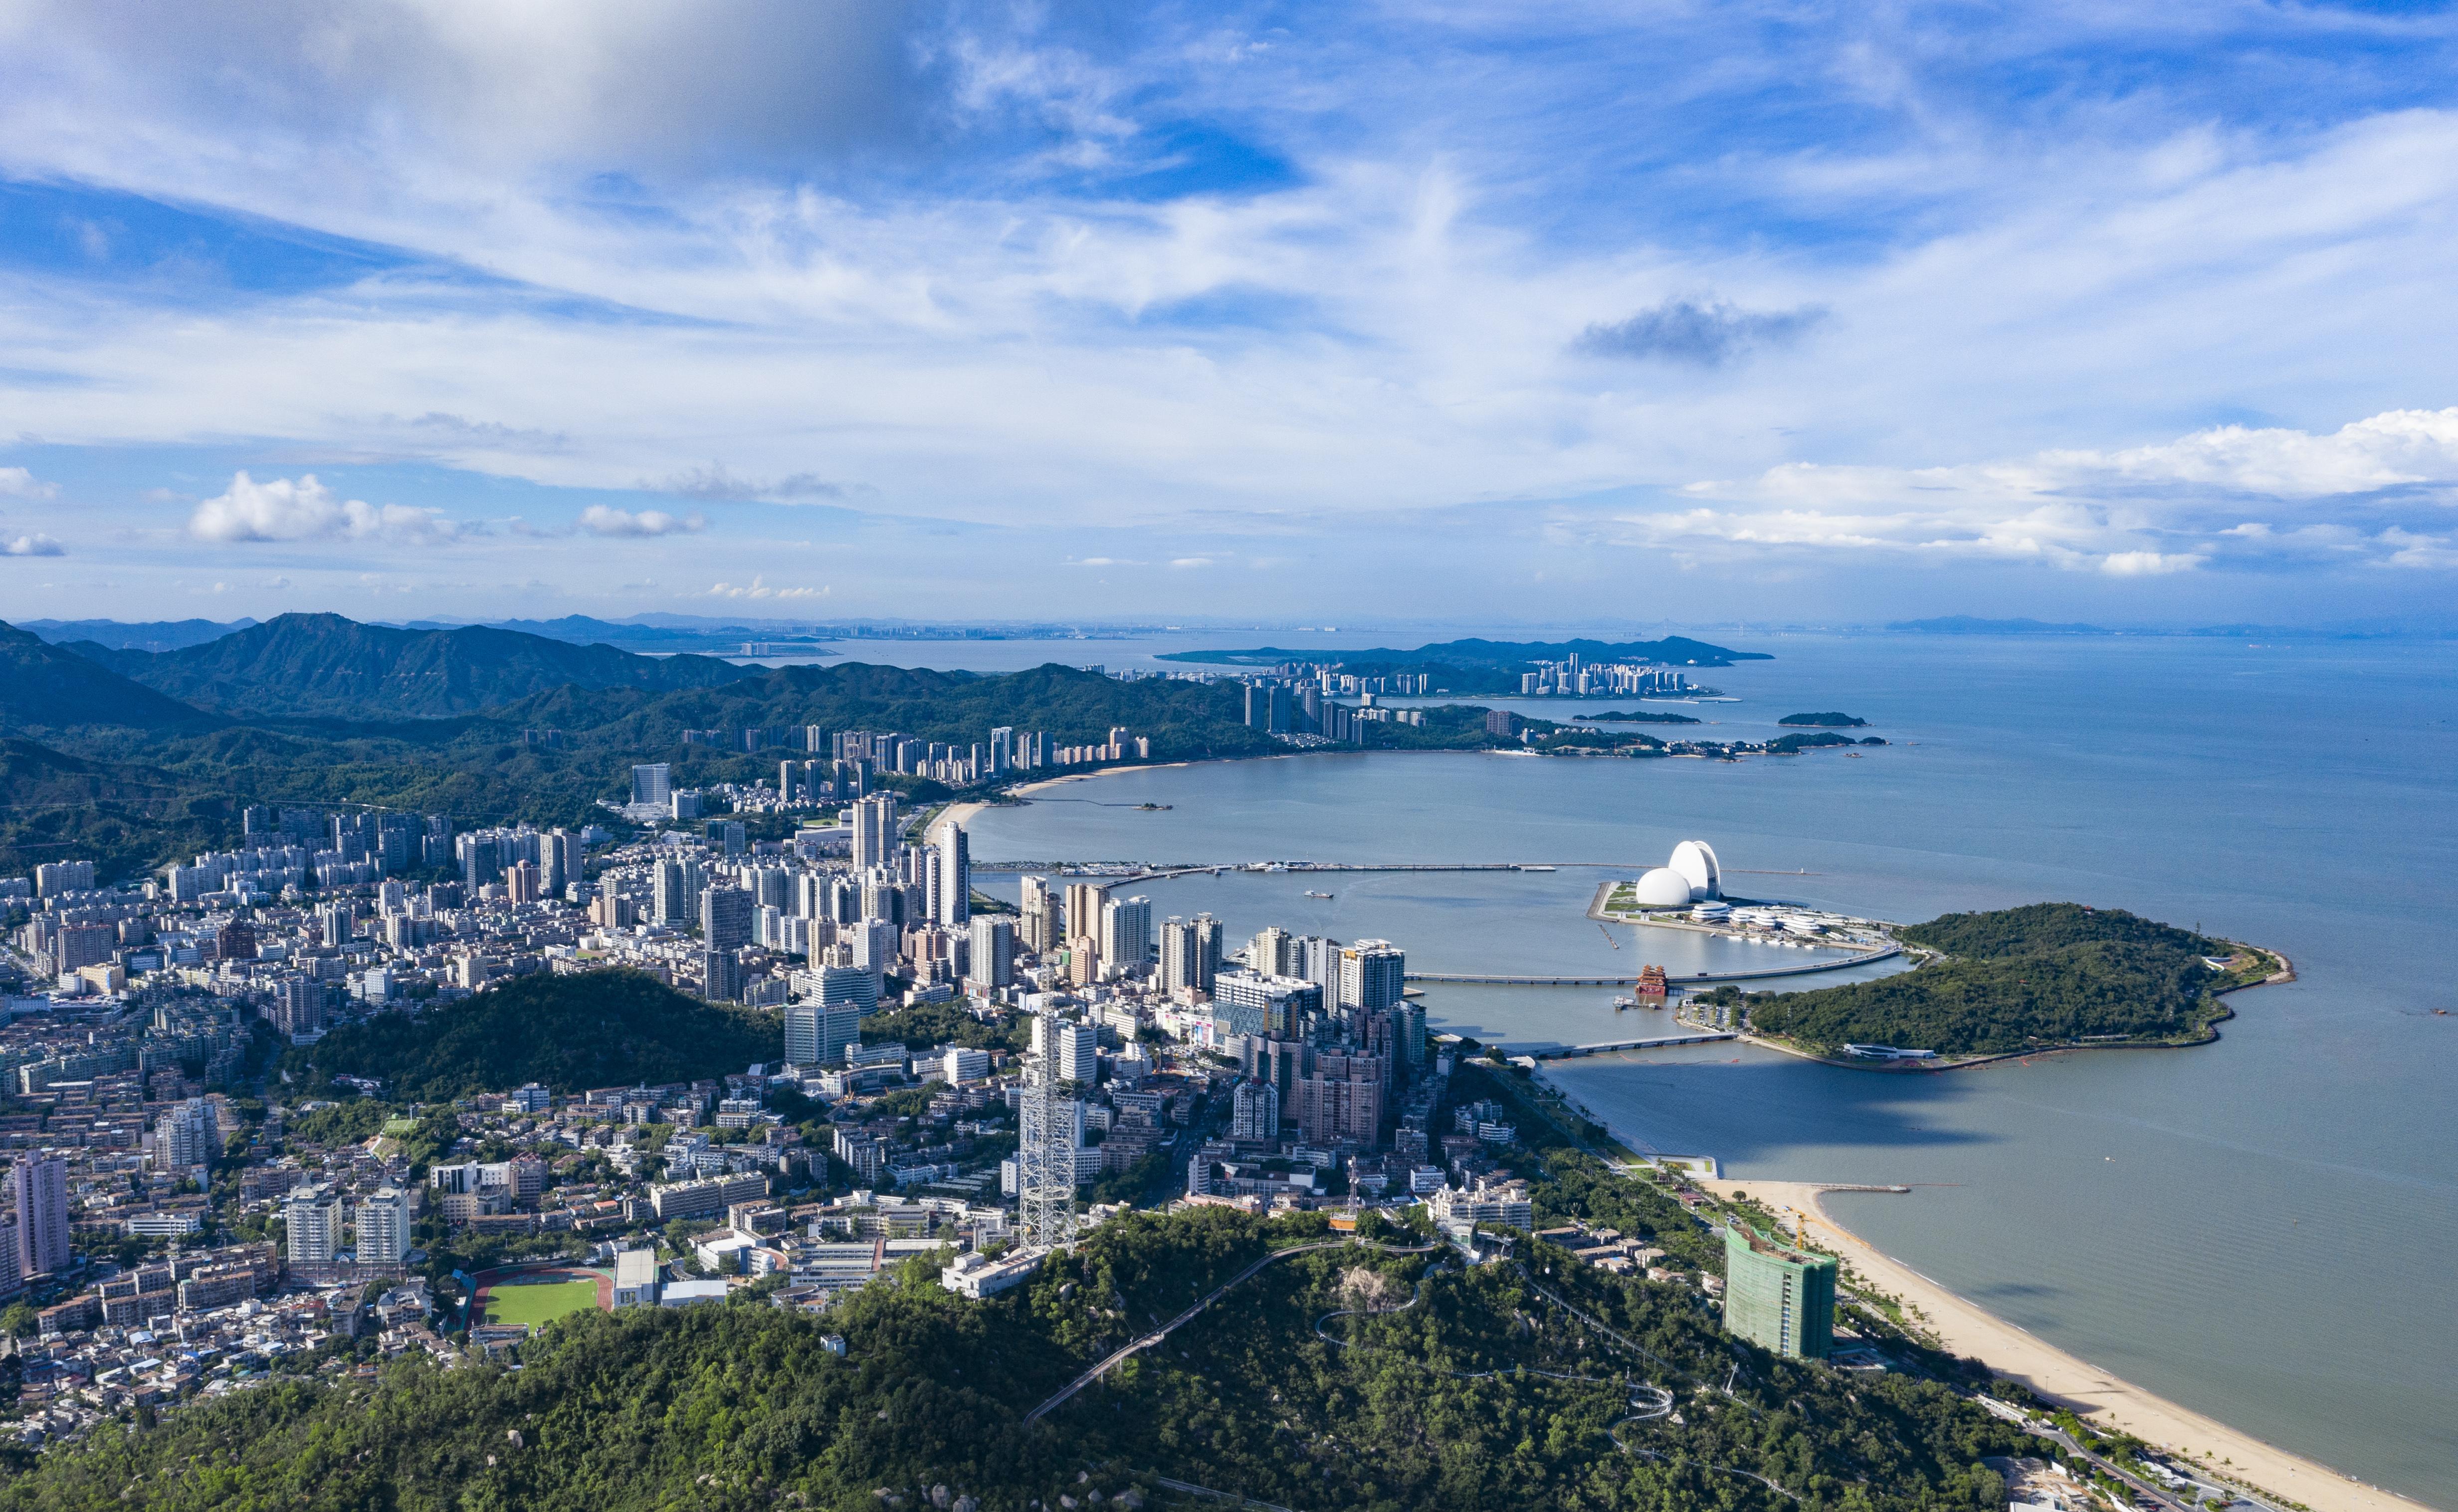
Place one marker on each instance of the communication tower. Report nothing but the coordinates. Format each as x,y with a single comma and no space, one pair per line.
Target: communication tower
1045,1160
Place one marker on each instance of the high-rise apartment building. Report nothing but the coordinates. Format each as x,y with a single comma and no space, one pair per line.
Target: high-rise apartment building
383,1227
1190,953
720,976
1126,933
1084,903
1255,1111
1776,1295
955,869
312,1217
874,830
1074,1052
186,1136
725,918
992,952
1041,922
1372,976
670,895
40,1189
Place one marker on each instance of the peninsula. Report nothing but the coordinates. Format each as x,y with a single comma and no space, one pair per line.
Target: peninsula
2016,980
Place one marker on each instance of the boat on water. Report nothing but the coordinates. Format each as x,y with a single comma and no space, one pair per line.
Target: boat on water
1319,895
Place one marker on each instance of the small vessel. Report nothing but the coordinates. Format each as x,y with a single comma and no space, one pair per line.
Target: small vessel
1619,1003
1319,895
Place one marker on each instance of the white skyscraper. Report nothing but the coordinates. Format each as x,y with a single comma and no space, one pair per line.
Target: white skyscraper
1126,933
383,1227
993,953
1372,974
313,1219
1075,1053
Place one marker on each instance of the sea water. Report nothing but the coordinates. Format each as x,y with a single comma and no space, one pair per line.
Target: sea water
2262,1228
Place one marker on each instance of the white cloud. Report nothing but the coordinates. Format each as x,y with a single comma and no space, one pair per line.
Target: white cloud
758,587
2149,510
2150,564
600,519
17,483
306,510
34,544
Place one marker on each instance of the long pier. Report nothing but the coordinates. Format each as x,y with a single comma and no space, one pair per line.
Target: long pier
1607,1047
1503,980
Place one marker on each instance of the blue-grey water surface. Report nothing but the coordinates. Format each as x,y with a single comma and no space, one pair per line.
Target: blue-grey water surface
2262,1229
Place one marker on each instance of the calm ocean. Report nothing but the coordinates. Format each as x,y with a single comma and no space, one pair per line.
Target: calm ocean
2262,1229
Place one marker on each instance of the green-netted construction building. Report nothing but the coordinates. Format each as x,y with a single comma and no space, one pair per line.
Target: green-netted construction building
1777,1296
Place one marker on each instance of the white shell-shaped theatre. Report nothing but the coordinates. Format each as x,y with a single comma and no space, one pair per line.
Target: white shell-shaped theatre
1696,861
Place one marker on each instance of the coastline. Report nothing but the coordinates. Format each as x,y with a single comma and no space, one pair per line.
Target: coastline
963,813
2091,1393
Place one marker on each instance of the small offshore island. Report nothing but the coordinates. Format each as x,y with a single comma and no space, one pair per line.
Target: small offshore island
1983,985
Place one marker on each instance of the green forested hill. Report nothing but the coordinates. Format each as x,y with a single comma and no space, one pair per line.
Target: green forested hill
598,1028
2047,926
47,687
2017,979
122,816
738,1405
1182,718
325,665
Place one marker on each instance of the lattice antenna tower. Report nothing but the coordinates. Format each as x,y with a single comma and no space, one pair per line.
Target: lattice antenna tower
1045,1160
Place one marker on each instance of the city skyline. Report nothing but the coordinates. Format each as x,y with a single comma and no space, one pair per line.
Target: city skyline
2070,315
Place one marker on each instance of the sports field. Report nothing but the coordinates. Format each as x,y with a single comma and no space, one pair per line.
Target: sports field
537,1302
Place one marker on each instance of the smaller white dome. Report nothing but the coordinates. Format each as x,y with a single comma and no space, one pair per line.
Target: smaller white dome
1663,888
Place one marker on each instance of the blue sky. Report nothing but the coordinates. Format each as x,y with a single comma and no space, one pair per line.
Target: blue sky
1675,311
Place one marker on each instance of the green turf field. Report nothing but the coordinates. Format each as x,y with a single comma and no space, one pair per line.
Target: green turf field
539,1304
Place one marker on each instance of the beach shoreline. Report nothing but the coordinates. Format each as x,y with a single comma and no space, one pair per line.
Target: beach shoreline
2093,1395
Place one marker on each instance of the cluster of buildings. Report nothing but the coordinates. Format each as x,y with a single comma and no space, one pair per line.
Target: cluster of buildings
841,765
171,1235
1575,677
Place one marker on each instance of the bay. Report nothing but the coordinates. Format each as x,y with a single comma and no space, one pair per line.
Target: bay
2259,1229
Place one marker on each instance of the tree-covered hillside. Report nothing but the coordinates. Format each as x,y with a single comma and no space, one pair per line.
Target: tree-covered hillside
598,1028
2015,979
1485,1393
325,665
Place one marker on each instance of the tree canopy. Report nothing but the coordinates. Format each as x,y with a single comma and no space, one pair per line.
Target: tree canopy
598,1028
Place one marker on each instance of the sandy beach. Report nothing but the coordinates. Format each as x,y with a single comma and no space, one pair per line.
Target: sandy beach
962,814
2090,1393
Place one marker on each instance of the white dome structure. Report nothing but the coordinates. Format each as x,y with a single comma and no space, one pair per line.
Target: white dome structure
1663,888
1696,861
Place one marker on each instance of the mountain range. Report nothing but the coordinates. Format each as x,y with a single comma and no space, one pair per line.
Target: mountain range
327,667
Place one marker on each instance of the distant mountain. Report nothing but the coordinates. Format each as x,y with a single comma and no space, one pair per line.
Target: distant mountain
50,687
1505,655
323,666
167,635
1967,625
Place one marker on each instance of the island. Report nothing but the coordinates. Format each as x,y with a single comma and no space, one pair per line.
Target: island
1572,668
2014,981
1829,720
1637,716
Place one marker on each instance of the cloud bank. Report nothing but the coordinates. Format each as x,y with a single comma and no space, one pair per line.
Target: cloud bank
304,509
